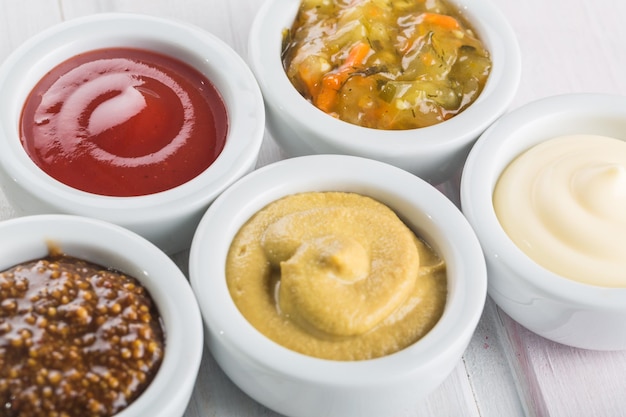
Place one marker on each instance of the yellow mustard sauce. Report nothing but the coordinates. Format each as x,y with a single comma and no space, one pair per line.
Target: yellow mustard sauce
335,275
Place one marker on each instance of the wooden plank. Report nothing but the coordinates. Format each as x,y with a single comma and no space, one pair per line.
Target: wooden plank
507,371
563,381
227,20
566,47
21,19
489,370
214,393
453,398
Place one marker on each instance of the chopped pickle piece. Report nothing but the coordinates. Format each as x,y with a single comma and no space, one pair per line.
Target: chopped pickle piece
392,65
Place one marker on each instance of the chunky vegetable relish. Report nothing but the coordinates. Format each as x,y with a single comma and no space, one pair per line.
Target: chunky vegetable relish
385,64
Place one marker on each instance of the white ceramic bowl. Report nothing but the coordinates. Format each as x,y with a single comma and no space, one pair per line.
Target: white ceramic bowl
435,153
554,307
26,238
298,385
168,218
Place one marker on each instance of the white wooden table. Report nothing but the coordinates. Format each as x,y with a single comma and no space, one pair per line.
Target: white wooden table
567,46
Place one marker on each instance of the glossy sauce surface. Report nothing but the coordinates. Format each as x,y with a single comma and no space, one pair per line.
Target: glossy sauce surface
76,339
123,122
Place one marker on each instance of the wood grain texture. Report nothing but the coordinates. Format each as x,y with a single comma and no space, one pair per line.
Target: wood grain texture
567,46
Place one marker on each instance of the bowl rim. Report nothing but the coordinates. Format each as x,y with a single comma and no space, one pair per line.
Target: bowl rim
467,287
493,28
561,114
230,74
27,238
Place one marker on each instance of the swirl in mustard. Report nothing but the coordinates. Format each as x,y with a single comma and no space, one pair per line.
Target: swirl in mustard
335,275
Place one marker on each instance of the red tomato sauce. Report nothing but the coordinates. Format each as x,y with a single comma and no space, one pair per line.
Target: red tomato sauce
123,122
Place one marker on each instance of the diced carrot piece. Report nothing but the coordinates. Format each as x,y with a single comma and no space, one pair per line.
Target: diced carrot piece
442,20
357,55
332,82
327,96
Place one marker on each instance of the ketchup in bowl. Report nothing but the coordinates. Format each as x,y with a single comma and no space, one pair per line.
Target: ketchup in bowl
123,122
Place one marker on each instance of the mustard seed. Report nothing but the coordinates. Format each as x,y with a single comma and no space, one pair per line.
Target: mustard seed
76,339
